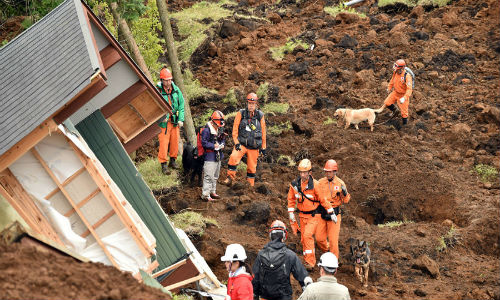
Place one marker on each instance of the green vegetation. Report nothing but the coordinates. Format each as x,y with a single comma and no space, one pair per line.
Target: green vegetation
262,91
231,115
241,168
182,297
192,223
335,10
286,160
203,119
230,98
34,9
193,86
411,3
26,23
191,26
278,129
330,121
395,224
4,42
486,173
449,240
150,170
274,107
278,53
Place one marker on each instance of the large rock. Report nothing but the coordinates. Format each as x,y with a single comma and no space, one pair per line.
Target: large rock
450,18
245,43
347,42
398,39
426,265
346,17
490,114
229,28
239,72
301,126
256,212
274,17
298,68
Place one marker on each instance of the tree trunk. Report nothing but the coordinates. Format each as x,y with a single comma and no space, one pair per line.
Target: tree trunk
131,44
176,70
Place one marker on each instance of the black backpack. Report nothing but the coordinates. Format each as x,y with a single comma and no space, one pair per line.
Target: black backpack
274,278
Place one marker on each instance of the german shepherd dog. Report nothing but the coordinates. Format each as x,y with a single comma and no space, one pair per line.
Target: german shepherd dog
360,253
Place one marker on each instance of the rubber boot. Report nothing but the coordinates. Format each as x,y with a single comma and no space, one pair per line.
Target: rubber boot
173,164
392,108
405,121
164,168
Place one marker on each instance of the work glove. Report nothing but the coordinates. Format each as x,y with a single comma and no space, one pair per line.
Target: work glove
402,100
307,281
180,123
263,152
344,190
292,217
334,218
237,147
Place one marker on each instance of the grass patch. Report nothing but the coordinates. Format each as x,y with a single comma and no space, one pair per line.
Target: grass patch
335,10
286,160
449,240
486,173
330,121
150,170
278,53
278,129
395,224
193,86
262,91
230,98
274,107
191,26
192,222
412,3
241,167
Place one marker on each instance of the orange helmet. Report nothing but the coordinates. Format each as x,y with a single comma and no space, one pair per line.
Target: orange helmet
331,165
278,225
399,64
165,74
305,165
218,118
252,97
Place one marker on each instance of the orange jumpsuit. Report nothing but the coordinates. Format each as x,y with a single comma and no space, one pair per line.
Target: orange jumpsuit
252,154
331,191
306,205
402,88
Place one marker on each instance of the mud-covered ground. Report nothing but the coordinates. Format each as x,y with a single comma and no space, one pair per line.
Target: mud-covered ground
420,174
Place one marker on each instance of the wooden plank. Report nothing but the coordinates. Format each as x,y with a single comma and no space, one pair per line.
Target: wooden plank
146,135
170,268
128,122
149,110
15,194
99,223
68,180
152,266
95,87
78,211
82,203
185,282
109,56
28,142
113,201
121,134
123,99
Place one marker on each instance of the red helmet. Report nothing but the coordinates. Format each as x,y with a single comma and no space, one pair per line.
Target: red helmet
218,118
165,74
399,64
252,97
278,225
331,165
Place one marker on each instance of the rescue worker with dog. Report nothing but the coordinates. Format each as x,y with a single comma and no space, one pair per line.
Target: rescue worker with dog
303,193
249,136
327,286
212,141
239,283
274,264
170,133
333,190
402,83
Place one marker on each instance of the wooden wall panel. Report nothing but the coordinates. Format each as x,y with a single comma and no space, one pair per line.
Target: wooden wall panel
149,110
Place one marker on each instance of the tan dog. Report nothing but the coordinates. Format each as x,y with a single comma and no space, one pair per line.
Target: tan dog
356,116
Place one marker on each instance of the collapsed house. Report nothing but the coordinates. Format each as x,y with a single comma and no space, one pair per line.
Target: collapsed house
73,106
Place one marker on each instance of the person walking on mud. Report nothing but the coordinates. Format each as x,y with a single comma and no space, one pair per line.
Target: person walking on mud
239,283
303,193
402,82
170,126
334,190
249,136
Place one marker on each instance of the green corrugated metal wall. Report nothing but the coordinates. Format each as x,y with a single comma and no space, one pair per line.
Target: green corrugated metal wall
101,139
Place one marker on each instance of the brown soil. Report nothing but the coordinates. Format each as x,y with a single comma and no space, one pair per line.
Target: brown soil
29,272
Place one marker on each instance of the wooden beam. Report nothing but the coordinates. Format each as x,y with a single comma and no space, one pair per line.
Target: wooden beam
146,135
109,56
184,282
68,180
99,223
123,99
95,87
113,200
78,211
169,268
82,203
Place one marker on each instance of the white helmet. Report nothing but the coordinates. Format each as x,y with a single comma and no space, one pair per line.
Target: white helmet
234,252
328,261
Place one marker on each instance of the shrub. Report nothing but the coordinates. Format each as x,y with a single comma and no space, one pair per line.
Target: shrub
278,53
486,173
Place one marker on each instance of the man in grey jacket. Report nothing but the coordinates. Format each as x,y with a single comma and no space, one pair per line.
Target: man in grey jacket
326,288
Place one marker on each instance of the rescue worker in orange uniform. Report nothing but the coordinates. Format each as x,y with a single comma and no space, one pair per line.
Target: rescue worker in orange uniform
332,189
249,136
402,83
303,193
170,132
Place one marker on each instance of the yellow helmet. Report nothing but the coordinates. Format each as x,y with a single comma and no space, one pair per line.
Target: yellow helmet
304,165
